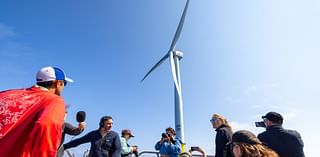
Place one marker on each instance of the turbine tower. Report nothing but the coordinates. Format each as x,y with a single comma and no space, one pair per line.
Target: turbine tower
174,57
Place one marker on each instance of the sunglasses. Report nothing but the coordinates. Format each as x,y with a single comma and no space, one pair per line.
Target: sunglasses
213,120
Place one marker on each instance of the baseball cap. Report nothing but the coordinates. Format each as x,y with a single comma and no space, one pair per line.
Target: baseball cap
273,117
50,74
127,131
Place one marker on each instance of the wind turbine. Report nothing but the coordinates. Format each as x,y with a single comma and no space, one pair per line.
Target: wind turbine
174,57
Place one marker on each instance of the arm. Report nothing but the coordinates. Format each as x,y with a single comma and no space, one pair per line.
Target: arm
116,146
85,139
71,130
158,145
125,149
220,143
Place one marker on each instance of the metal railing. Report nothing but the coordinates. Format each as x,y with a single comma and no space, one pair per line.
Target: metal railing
147,154
184,154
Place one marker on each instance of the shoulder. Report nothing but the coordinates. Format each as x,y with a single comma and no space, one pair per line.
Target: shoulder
177,139
293,133
122,139
94,132
263,134
223,130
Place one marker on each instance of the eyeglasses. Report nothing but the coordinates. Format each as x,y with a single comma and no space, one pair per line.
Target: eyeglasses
213,120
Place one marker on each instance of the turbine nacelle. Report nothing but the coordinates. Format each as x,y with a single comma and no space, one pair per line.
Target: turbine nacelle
178,53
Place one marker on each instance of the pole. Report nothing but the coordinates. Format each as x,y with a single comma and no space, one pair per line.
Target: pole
179,124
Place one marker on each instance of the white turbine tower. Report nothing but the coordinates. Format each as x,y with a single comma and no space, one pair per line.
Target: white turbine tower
174,57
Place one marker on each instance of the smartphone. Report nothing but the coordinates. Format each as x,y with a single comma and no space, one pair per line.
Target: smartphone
194,148
260,124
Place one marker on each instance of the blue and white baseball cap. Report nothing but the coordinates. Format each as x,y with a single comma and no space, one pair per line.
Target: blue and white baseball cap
50,74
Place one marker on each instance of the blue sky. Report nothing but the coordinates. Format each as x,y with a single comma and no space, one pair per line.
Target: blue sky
241,59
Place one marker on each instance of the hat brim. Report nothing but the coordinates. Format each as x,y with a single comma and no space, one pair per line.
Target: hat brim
68,80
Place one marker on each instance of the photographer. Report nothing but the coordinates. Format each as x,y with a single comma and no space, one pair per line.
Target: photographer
169,145
287,143
126,149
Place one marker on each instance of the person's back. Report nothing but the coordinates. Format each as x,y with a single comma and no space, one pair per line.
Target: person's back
17,127
287,143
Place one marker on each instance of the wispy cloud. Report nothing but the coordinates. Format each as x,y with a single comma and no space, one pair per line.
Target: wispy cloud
267,106
15,49
251,89
11,48
245,126
272,85
6,31
290,114
233,100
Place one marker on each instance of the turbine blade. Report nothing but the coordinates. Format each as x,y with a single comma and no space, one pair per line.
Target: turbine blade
174,73
155,66
180,26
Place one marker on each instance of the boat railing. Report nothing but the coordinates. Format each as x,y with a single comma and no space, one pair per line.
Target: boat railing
185,154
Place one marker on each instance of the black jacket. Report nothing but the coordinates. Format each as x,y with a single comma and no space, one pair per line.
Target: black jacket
287,143
223,136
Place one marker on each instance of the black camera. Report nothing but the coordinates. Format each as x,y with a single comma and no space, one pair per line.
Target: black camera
260,124
164,135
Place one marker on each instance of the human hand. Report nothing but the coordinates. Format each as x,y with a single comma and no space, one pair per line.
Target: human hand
82,125
134,148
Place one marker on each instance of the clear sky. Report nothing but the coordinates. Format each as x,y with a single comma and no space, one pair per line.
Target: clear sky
242,58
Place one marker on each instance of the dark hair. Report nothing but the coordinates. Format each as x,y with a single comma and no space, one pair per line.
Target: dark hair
171,130
47,84
103,119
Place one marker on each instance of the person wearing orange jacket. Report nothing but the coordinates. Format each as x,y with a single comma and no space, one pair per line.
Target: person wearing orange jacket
31,119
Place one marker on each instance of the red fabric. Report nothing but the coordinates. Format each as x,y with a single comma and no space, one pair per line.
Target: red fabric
30,123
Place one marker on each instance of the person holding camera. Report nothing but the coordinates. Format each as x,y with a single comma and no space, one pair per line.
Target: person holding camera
126,149
287,143
169,145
